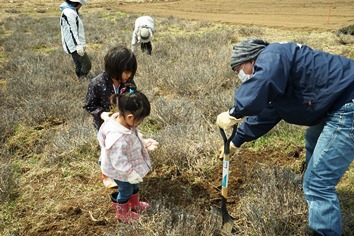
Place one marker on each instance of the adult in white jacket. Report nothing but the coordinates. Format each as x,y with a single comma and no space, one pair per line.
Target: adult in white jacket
73,36
144,30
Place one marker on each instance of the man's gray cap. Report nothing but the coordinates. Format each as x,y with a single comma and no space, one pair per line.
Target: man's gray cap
247,50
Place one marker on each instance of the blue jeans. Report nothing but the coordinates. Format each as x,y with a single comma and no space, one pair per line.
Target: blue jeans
329,152
125,189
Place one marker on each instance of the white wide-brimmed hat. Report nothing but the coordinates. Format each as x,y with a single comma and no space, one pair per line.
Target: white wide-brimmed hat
83,2
144,35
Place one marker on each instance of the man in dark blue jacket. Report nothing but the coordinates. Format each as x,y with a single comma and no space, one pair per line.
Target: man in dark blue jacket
292,82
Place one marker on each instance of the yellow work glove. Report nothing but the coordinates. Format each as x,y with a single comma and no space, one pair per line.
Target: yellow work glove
233,149
225,121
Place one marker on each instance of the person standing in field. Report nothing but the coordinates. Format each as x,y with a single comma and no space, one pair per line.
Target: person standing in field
120,67
294,83
124,155
73,36
144,30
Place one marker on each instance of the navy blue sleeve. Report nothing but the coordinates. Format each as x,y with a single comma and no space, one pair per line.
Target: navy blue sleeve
269,80
254,127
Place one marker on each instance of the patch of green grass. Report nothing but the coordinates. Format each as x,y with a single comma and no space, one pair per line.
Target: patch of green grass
7,216
25,142
347,30
345,191
281,137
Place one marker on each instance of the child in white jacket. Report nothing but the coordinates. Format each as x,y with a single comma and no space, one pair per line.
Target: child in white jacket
124,157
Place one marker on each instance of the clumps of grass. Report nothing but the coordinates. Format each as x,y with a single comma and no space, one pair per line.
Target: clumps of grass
347,52
250,31
183,145
26,142
12,10
273,204
286,138
41,11
300,39
345,39
78,142
8,181
8,194
345,35
347,30
169,220
9,185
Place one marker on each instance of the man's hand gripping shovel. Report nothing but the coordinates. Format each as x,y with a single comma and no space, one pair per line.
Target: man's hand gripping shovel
227,220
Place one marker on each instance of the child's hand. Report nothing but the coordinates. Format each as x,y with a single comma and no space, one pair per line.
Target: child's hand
151,144
134,178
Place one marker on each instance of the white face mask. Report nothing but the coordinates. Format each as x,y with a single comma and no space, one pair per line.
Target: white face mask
243,76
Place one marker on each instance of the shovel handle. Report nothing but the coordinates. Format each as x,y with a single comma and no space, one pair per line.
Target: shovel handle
227,141
225,169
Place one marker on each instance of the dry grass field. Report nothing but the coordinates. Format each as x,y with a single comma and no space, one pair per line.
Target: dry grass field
49,178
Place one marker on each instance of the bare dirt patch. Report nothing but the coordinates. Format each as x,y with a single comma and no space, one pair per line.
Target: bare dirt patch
302,15
284,14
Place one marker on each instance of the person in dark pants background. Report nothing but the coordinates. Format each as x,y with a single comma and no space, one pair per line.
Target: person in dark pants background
73,36
144,30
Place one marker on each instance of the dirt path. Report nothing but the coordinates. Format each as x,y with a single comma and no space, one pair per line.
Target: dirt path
303,14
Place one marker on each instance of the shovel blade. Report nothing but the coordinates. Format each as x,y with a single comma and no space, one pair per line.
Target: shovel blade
227,221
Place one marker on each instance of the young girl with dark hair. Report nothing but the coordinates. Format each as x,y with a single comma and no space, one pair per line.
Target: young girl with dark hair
124,157
120,67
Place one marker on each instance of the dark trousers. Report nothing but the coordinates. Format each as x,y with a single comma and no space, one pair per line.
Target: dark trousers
146,46
82,64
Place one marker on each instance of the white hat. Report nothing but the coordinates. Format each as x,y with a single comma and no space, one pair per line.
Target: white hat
83,2
144,35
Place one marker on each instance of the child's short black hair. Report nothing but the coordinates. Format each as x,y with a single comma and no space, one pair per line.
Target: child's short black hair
119,59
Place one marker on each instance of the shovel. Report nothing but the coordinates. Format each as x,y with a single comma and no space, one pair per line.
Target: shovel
227,220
